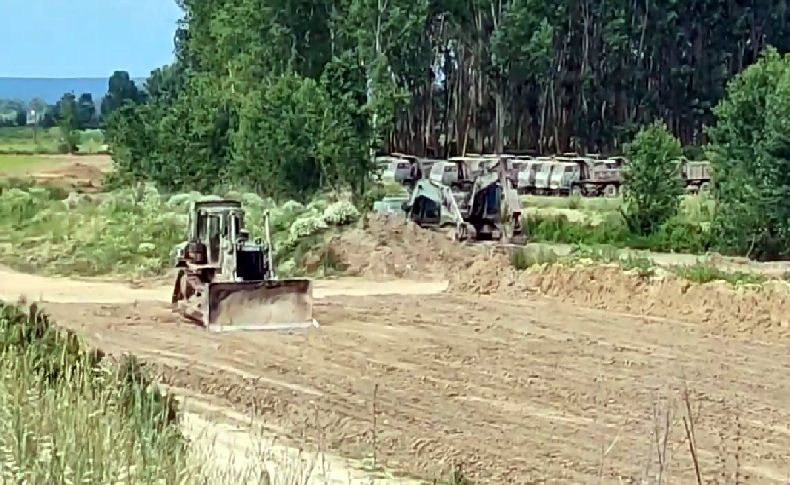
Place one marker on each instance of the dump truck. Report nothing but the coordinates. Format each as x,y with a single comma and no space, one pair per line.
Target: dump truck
227,282
527,175
595,177
696,175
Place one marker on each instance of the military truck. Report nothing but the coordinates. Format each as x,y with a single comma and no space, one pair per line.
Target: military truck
696,175
597,177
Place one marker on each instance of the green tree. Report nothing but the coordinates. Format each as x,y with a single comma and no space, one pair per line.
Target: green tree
120,89
86,111
750,157
68,121
21,117
652,180
276,145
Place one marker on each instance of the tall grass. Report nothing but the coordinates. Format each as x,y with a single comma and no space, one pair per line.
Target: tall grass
26,140
679,235
67,415
134,231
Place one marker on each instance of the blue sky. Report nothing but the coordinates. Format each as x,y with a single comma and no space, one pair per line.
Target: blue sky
86,38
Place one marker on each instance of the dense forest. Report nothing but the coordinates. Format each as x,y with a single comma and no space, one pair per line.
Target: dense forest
443,75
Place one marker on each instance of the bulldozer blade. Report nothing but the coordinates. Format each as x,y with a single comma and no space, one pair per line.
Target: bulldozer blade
259,305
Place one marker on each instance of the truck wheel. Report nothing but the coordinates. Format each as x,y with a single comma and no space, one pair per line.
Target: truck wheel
610,191
705,187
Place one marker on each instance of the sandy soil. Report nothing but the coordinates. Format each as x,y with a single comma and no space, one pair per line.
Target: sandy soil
83,173
571,374
516,391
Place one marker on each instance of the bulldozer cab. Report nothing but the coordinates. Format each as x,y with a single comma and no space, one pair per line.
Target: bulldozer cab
214,224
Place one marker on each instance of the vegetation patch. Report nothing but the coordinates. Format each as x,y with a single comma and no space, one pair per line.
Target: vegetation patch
25,140
522,259
641,264
133,231
678,234
20,164
706,273
69,415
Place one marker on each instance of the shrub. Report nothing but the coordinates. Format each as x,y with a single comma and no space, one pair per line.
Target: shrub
750,158
306,226
341,213
652,180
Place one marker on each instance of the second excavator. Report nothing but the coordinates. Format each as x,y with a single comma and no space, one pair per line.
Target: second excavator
482,207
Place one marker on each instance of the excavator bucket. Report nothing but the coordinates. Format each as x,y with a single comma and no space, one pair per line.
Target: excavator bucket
259,305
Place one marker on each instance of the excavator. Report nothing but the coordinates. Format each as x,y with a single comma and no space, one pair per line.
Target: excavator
226,282
483,207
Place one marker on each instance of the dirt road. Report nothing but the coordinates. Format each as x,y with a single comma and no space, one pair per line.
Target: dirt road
519,390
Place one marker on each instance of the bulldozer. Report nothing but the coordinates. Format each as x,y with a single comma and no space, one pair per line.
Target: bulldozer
226,282
485,209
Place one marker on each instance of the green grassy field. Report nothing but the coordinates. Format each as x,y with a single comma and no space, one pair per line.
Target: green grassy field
14,165
24,140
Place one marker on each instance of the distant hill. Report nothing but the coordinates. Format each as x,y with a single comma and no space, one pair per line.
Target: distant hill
51,89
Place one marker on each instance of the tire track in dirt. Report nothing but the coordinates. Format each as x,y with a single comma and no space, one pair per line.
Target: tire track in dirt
517,390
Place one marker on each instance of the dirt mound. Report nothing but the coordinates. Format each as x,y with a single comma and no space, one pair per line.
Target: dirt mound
747,309
391,247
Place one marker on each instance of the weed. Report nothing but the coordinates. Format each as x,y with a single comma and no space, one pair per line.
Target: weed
523,258
644,267
706,272
575,202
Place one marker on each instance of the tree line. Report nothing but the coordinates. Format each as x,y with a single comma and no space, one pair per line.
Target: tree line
287,97
71,113
85,111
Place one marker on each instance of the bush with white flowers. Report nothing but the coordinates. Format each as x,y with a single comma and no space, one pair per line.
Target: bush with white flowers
341,213
306,226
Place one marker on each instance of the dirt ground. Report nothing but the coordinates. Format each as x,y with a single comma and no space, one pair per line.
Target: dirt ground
577,375
83,173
